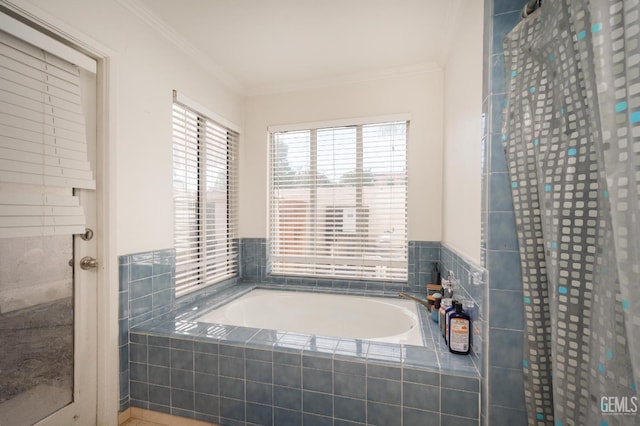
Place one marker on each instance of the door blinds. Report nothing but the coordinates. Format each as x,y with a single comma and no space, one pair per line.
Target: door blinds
43,148
205,191
338,202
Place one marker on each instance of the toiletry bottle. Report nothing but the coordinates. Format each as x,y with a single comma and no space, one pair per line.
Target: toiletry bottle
468,307
444,304
435,311
447,314
430,302
459,331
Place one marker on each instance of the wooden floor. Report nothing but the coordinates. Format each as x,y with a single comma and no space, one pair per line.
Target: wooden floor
138,417
138,422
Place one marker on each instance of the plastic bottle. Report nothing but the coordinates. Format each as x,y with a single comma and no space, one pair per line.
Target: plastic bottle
468,307
444,304
459,340
435,311
447,313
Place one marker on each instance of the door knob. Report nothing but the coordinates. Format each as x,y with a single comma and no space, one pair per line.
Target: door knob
88,262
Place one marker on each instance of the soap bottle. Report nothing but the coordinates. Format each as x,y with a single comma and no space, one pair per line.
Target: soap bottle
447,313
435,311
459,340
444,304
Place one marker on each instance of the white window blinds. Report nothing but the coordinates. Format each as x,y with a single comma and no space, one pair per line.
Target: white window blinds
338,202
205,190
43,148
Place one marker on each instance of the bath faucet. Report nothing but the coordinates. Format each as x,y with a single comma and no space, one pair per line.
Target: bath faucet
415,299
448,283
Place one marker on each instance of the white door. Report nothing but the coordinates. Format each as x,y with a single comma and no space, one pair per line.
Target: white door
82,410
48,307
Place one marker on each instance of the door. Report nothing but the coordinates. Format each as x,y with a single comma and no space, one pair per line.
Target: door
48,307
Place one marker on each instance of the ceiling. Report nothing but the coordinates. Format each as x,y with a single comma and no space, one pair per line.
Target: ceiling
267,46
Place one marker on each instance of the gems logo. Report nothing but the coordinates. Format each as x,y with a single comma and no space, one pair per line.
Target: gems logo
619,405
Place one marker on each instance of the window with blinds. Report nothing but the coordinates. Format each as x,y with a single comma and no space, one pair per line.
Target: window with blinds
43,143
338,202
204,195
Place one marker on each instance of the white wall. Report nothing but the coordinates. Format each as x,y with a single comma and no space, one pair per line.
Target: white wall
147,69
462,133
418,94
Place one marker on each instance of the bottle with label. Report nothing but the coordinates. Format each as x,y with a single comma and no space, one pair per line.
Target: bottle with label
435,311
459,340
447,313
444,304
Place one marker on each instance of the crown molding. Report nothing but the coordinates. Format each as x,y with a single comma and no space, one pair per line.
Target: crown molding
166,31
150,18
346,79
57,28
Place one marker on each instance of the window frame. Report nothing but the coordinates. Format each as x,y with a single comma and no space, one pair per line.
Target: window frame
313,128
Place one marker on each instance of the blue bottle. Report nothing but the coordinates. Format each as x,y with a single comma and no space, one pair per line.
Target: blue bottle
448,312
459,337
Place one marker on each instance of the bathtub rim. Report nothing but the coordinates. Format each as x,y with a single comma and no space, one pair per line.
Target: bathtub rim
432,356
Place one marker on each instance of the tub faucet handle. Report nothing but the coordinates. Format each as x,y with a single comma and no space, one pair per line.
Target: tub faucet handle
447,283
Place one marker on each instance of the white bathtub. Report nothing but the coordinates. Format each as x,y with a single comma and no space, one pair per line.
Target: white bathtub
371,318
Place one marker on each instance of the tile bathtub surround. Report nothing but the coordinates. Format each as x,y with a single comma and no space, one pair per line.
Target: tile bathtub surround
470,285
150,377
422,256
239,375
146,291
253,259
148,279
274,378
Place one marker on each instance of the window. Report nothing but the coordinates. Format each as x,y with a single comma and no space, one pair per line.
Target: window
204,197
338,202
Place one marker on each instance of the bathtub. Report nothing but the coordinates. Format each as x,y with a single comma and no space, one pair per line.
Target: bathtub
370,318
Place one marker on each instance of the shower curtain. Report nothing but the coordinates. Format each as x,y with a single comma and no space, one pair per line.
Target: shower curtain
572,139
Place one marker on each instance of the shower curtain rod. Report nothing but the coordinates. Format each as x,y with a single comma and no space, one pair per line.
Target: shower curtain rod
530,7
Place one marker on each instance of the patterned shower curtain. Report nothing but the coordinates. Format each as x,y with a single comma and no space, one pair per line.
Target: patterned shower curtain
572,139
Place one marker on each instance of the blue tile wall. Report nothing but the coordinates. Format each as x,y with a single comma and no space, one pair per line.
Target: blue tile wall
502,377
423,260
213,382
191,298
146,291
253,259
470,284
280,379
147,288
422,257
